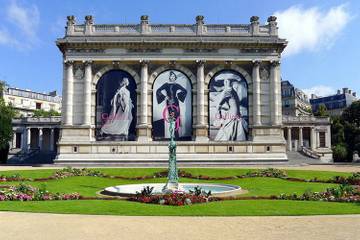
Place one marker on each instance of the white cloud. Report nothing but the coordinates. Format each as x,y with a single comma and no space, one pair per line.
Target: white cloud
311,29
319,90
25,20
5,38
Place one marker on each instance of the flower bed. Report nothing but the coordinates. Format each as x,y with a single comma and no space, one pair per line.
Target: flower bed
24,192
343,193
173,199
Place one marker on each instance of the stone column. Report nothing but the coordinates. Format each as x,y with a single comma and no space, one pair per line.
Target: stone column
312,138
143,126
301,140
40,140
201,128
23,140
256,93
52,139
144,93
87,94
328,137
68,91
317,139
275,90
289,139
13,142
28,139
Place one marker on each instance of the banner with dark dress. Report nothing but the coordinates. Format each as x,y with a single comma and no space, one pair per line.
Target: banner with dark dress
116,107
228,107
172,95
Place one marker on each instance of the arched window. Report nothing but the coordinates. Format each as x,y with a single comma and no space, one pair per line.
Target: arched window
116,107
172,93
228,107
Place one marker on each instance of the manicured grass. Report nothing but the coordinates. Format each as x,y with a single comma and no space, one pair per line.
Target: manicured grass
89,186
212,172
225,208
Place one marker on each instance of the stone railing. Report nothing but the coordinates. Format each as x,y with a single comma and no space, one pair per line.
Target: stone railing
199,28
305,119
308,152
25,120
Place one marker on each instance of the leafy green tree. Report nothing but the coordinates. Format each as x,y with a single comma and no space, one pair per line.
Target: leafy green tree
337,130
345,130
6,115
352,114
322,111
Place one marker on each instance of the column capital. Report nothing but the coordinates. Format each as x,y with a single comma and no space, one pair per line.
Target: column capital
275,63
144,62
256,63
87,62
68,62
200,62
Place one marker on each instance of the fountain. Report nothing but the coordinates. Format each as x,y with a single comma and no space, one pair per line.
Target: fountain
172,184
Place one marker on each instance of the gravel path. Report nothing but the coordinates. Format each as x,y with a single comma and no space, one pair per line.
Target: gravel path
38,226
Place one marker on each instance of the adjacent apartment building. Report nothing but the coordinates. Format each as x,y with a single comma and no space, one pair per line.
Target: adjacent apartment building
294,101
335,104
26,101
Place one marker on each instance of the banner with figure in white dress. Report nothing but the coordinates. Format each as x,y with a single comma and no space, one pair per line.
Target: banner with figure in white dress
172,95
116,106
228,107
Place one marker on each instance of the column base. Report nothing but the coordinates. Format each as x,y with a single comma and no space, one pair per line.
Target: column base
144,133
201,133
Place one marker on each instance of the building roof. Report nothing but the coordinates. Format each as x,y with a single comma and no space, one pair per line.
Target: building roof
145,36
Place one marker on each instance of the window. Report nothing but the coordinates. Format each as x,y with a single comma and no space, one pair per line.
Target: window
322,139
38,105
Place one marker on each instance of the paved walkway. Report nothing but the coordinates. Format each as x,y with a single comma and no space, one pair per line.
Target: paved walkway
38,226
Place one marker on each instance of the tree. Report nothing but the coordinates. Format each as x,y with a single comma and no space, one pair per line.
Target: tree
345,133
337,130
6,115
352,114
322,111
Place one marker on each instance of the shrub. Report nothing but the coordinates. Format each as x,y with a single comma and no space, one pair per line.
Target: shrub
72,172
268,172
340,153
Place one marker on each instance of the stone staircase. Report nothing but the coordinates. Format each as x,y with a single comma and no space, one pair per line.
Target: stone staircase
299,158
33,157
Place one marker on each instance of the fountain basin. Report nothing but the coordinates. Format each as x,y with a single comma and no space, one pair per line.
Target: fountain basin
128,190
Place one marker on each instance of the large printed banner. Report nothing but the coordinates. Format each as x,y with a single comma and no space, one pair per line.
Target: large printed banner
228,107
172,96
116,106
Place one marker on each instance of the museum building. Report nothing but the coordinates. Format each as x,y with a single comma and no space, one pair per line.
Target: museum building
221,82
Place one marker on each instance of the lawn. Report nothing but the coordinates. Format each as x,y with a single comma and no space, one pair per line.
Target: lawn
256,186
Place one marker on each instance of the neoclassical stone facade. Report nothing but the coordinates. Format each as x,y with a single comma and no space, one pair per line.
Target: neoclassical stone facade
122,81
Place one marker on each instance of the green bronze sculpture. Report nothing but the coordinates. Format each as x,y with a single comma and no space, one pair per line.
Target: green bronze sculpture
173,178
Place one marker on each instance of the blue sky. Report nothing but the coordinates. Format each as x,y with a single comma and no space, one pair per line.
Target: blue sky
323,53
